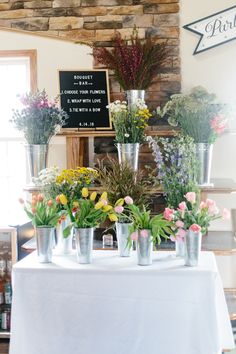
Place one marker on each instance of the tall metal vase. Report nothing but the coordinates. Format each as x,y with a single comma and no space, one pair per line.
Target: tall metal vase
204,160
84,244
193,243
64,245
180,248
45,237
122,234
128,154
133,95
144,249
37,159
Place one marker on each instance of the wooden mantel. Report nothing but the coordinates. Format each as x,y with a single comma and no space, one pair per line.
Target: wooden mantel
77,140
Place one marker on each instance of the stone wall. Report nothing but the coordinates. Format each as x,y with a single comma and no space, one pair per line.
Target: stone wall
95,21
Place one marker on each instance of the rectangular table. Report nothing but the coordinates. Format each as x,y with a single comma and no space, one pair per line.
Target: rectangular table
114,306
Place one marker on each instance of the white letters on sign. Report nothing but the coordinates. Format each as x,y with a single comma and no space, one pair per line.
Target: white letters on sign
214,30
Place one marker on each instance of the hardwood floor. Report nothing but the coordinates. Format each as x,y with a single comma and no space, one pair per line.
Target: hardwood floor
4,346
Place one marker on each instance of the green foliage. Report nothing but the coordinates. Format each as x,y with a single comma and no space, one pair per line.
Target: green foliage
120,181
43,212
135,63
142,220
40,119
193,113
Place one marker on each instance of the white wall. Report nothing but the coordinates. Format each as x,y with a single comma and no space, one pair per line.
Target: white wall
215,69
52,55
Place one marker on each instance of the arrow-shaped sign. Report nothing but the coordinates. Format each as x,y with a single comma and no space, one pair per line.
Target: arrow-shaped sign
214,30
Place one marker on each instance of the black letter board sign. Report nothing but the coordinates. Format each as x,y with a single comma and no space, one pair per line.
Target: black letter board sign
84,96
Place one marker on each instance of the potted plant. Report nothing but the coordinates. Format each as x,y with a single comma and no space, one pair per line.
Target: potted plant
176,166
129,124
146,230
39,120
192,219
45,215
199,116
135,63
70,183
86,213
119,181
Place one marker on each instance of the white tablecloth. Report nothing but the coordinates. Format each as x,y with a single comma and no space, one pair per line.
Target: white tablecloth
114,306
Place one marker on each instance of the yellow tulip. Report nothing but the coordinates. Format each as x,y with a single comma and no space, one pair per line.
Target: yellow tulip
113,217
93,196
85,192
104,196
120,202
75,204
63,199
107,208
99,205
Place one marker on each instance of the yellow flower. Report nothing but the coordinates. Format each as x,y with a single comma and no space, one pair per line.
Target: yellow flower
113,217
119,202
75,204
104,196
93,196
107,208
99,205
63,199
85,192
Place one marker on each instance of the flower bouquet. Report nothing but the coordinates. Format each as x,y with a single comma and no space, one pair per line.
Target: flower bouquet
129,124
45,214
135,63
176,166
199,116
144,229
86,213
39,120
192,219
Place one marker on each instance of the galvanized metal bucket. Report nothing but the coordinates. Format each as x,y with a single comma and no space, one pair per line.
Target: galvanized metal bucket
179,248
37,158
204,161
128,154
144,249
63,245
45,237
193,243
84,244
122,234
133,95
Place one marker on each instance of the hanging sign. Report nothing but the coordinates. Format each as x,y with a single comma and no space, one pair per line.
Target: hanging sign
84,96
214,30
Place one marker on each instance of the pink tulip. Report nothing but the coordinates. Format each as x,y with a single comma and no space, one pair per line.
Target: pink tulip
179,224
181,233
213,210
173,238
182,206
210,203
144,233
168,214
191,197
119,209
104,202
226,214
218,124
203,205
195,228
134,236
128,200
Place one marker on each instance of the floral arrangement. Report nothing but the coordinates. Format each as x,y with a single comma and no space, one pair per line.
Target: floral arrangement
176,166
129,123
135,63
68,181
197,114
119,180
193,215
88,211
40,118
42,211
142,222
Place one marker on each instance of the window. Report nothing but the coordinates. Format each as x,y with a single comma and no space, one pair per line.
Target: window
17,76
